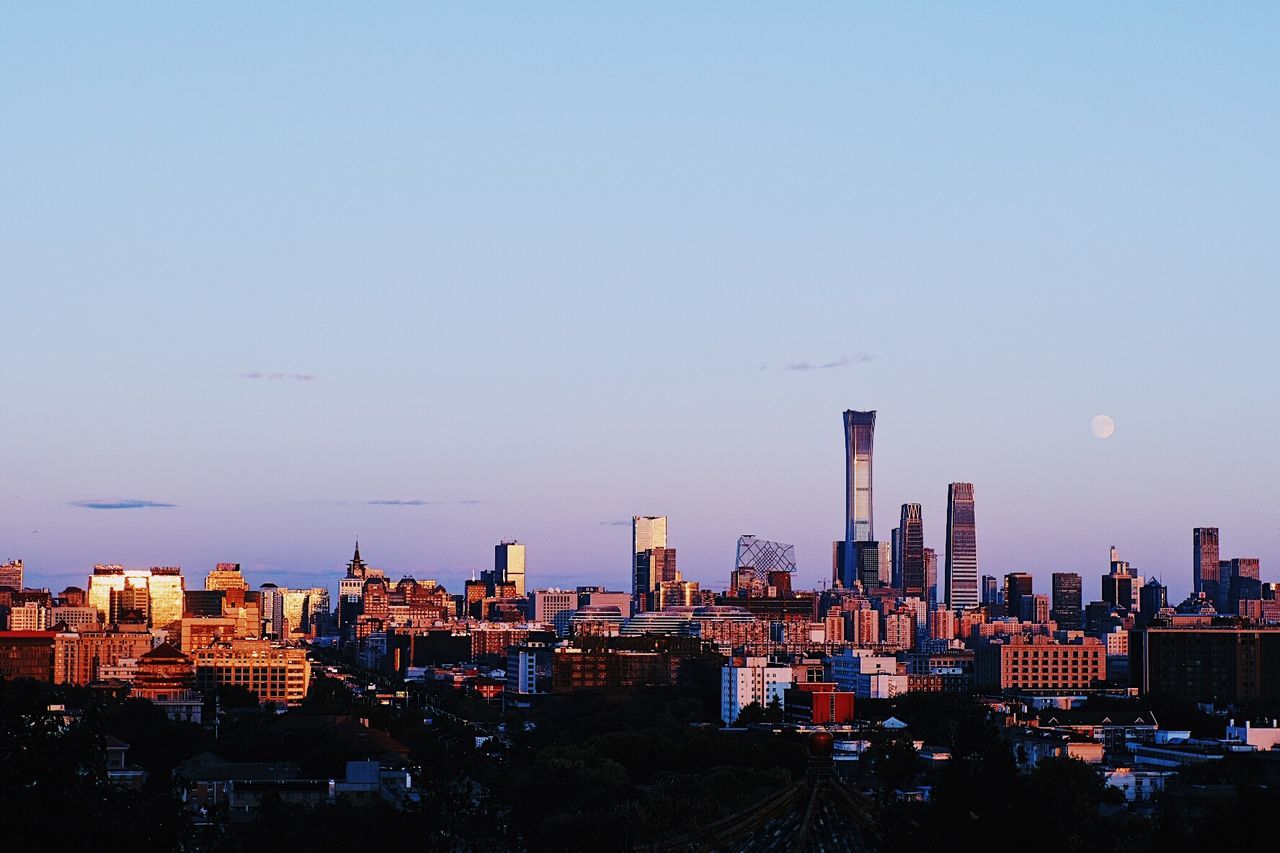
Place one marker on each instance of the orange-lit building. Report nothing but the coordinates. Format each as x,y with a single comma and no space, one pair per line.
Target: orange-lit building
275,673
1040,663
818,703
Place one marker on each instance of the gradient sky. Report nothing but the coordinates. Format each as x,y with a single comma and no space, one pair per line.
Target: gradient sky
541,267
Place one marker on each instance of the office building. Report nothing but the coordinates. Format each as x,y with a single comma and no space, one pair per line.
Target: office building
29,616
1020,662
508,564
1205,563
1035,609
1224,666
1118,584
859,438
1016,586
931,576
158,591
11,575
990,590
962,548
1068,601
762,558
895,557
27,654
914,579
275,673
555,607
225,576
1239,579
647,533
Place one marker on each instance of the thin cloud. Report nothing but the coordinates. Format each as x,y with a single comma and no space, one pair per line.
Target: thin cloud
271,377
404,503
622,522
121,503
860,358
470,502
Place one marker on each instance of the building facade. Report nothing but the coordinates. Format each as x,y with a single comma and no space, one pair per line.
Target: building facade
962,548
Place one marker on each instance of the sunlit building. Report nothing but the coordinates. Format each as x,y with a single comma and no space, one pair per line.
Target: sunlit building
859,440
647,533
508,564
161,587
277,674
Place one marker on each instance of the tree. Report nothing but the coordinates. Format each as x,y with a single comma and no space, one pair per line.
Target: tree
773,713
892,757
752,713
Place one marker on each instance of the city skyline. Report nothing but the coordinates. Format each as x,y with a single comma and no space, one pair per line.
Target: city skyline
327,329
451,577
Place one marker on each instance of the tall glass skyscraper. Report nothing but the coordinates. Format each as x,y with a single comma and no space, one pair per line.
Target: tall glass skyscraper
915,581
508,564
647,532
962,548
859,435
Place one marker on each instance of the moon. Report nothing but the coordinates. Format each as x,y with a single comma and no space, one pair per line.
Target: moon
1102,426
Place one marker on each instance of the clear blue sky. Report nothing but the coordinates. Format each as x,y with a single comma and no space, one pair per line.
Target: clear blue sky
548,266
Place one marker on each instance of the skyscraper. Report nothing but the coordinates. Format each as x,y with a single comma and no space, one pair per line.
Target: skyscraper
508,563
990,590
1204,567
1068,604
1017,585
931,577
1117,585
962,548
859,434
914,580
647,532
895,557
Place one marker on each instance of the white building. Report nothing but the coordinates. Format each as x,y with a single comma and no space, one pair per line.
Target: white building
754,680
868,676
1137,785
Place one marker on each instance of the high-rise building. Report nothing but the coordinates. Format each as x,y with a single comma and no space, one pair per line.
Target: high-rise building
962,548
931,576
1117,585
1016,585
872,565
990,590
914,580
11,574
508,563
1034,608
225,576
1153,597
160,587
895,557
1204,563
761,557
1239,579
859,435
1068,600
658,565
555,607
647,532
